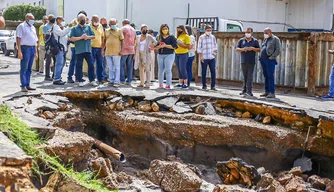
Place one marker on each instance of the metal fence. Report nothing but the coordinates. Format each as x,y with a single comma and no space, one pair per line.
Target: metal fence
303,63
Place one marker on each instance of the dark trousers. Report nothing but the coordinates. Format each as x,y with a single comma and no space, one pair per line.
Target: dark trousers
78,66
268,68
48,58
181,61
72,64
26,63
127,61
247,70
212,65
98,59
190,69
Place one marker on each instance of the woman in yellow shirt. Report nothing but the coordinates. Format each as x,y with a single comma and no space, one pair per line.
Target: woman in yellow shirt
181,55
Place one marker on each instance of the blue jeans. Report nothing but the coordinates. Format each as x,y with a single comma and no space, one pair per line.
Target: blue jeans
59,66
212,65
97,57
165,64
181,61
126,60
331,83
114,63
190,69
268,68
104,68
26,63
72,64
78,66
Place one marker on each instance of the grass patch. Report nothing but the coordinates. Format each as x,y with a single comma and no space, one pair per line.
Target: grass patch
28,140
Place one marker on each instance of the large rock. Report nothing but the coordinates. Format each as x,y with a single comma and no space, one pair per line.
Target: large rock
181,108
326,128
318,182
296,184
102,166
236,171
145,106
174,176
269,184
168,102
231,188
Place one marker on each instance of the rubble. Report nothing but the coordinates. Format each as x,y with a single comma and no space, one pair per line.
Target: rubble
269,184
155,107
231,188
318,182
145,106
267,120
296,184
167,102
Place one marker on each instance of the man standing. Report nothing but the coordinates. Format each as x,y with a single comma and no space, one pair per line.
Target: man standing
81,35
207,50
113,46
47,30
97,47
128,51
271,48
248,46
26,41
41,50
330,95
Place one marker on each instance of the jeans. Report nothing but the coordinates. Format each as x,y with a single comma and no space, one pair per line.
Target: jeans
190,69
78,66
126,60
72,64
247,70
114,63
268,68
26,63
331,83
41,57
104,68
212,65
97,57
181,61
59,66
165,64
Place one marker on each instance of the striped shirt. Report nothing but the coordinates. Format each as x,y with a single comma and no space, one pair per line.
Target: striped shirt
206,46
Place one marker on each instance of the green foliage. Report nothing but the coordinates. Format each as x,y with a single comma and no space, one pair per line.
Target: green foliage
18,12
28,140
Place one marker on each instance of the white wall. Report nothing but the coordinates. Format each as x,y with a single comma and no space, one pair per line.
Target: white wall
92,7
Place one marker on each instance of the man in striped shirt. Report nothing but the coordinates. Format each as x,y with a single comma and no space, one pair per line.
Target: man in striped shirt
207,50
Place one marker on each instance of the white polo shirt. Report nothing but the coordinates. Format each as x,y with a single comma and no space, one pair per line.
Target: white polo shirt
27,34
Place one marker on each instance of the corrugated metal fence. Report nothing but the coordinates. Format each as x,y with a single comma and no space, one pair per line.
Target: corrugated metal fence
303,63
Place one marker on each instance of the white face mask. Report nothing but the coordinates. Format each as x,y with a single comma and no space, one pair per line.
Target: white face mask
266,36
96,23
63,23
248,35
207,33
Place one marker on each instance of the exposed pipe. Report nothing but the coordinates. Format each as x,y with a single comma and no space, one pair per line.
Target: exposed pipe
188,10
110,151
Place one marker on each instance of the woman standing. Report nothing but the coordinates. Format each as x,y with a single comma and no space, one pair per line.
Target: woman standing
166,55
143,57
181,55
192,50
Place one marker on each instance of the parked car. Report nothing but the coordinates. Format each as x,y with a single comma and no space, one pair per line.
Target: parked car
4,36
220,25
10,45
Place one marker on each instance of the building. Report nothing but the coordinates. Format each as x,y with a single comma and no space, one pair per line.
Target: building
6,3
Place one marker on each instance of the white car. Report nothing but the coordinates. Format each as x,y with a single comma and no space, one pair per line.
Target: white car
10,45
4,36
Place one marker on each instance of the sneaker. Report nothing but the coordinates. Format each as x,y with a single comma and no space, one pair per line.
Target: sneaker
48,79
271,96
184,87
122,83
24,90
205,88
31,89
111,83
127,83
93,83
178,86
264,95
81,84
242,93
60,82
161,86
40,73
327,97
70,81
249,94
117,85
168,87
213,89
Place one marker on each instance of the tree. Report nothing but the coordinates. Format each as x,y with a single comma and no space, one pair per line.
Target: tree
18,12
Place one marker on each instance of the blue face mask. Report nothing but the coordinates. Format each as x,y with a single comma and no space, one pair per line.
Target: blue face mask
113,27
31,22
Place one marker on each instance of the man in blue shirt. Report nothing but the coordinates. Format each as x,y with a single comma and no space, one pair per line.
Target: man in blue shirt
248,46
81,35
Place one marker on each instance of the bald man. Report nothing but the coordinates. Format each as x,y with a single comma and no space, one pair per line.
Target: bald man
271,49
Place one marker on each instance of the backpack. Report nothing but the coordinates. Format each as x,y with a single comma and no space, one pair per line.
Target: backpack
51,44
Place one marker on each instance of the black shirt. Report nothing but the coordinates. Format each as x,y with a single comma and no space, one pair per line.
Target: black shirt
248,56
170,40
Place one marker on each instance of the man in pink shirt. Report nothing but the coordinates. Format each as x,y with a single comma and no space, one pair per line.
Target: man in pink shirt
128,51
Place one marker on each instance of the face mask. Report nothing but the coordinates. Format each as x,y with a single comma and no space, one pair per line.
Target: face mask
113,27
207,33
165,31
82,22
31,22
96,23
179,32
144,32
248,35
266,36
104,25
52,20
63,23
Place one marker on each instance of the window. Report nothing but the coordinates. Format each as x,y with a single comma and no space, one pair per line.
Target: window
233,28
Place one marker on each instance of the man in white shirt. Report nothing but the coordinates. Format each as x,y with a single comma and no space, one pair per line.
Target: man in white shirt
61,35
26,41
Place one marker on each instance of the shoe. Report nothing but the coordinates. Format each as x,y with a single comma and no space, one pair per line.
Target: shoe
127,83
111,83
122,83
31,89
178,86
81,84
100,82
116,85
264,95
93,83
147,86
167,87
205,88
40,73
184,87
70,81
249,94
48,79
60,82
82,80
213,89
140,85
24,90
161,86
327,97
242,93
271,96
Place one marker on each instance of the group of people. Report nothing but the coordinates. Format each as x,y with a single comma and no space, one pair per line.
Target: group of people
112,53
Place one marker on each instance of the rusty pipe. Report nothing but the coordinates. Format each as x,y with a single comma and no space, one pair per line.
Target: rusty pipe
110,151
